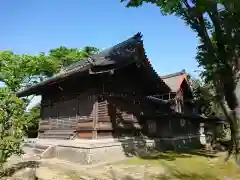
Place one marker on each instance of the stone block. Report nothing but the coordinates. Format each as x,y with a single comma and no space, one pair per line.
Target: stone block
50,152
104,150
73,154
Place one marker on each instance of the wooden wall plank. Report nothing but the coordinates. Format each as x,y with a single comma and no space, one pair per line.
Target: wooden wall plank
44,127
85,135
85,124
102,113
104,134
104,126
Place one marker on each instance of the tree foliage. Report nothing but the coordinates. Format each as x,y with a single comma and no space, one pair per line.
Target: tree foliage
17,72
204,98
217,24
12,124
32,117
65,56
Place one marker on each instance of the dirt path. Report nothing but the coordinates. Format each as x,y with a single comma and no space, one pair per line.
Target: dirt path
55,169
180,167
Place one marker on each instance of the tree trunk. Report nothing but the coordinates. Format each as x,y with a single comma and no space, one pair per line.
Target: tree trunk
236,120
232,97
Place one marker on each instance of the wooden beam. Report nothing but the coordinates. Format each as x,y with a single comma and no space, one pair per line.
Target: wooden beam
95,116
104,126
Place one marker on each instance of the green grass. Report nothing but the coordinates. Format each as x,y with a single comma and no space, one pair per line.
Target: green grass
190,166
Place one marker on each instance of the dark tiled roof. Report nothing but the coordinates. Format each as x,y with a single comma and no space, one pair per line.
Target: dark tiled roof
120,55
108,56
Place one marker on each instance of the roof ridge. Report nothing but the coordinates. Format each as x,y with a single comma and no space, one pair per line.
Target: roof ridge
132,40
173,74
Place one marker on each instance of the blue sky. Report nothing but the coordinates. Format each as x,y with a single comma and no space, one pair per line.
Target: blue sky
36,26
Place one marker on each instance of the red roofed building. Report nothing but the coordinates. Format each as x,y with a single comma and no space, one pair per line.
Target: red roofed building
180,94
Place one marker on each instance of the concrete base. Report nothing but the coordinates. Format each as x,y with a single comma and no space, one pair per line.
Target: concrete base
104,150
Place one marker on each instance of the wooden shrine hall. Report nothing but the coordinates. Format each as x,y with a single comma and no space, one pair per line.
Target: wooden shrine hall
110,94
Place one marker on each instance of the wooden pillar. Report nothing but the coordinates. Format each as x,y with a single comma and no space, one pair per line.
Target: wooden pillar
171,131
170,125
95,116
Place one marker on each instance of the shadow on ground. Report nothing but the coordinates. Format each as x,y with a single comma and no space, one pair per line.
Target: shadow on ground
168,155
173,173
7,172
185,176
172,155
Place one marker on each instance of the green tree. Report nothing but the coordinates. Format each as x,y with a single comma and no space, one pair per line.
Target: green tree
32,118
20,71
204,98
217,24
12,124
66,56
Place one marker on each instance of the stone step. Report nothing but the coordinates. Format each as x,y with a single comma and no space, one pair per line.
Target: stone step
54,136
37,146
61,129
32,152
59,132
34,149
38,151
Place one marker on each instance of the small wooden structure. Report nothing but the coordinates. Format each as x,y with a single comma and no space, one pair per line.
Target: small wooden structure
180,94
107,95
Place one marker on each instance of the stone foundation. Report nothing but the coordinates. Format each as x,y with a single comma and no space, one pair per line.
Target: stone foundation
108,150
181,142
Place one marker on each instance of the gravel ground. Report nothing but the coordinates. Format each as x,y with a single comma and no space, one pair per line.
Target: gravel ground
54,169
